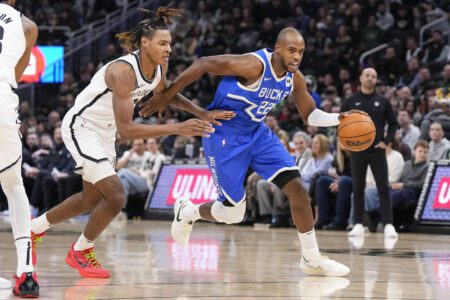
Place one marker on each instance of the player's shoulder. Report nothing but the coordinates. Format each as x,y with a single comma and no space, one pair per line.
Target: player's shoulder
120,73
29,27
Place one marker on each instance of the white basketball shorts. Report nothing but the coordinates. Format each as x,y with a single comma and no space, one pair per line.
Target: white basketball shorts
10,138
92,148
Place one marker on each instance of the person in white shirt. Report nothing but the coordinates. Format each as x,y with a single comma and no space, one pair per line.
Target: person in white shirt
153,163
130,166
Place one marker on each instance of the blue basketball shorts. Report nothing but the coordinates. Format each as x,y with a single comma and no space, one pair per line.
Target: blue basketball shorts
230,151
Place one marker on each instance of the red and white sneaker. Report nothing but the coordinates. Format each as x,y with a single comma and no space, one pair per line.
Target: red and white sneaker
86,263
27,285
35,240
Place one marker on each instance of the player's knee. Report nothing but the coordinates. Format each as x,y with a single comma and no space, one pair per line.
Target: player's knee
228,214
116,203
10,178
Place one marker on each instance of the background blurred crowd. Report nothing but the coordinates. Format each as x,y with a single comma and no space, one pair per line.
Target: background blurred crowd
336,33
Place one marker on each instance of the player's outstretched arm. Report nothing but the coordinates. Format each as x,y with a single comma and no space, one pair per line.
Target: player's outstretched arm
30,30
181,102
120,79
247,67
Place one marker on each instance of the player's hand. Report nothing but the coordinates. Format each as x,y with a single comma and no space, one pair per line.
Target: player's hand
194,127
352,111
157,103
214,115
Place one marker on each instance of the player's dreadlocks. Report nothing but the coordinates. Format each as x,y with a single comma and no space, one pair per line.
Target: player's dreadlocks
130,40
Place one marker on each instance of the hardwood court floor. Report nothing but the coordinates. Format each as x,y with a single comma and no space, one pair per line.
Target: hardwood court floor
231,262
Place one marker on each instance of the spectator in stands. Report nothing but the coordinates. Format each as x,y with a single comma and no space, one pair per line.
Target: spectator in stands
422,81
437,52
438,143
130,167
62,169
406,191
154,162
445,82
311,89
440,113
371,35
391,67
408,131
412,69
332,193
413,49
385,20
45,158
303,153
320,162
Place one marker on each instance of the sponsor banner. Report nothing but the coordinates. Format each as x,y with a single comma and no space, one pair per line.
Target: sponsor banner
46,65
174,181
442,198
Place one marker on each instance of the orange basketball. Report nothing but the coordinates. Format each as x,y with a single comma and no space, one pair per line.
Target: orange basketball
356,132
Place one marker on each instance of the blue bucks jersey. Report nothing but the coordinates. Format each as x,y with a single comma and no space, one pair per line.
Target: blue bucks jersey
245,141
252,103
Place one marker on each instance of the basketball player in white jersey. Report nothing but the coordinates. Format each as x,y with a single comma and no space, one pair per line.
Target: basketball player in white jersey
18,35
103,108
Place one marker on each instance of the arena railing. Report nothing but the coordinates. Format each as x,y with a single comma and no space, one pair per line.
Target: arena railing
441,24
371,52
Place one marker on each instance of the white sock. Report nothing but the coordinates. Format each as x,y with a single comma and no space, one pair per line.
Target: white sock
83,243
191,212
19,211
23,249
40,224
309,245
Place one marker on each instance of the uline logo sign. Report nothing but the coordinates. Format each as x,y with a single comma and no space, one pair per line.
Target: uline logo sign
357,143
442,198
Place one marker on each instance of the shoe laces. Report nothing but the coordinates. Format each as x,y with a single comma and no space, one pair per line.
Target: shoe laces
324,261
92,259
36,240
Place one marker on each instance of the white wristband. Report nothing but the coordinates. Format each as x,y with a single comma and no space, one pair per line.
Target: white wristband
322,119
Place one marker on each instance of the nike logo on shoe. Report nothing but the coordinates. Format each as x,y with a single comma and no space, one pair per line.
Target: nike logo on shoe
307,263
83,265
179,210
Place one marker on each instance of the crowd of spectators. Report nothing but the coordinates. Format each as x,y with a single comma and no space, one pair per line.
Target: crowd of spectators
336,33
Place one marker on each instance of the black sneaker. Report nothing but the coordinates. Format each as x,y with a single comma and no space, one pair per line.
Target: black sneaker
27,286
335,226
281,222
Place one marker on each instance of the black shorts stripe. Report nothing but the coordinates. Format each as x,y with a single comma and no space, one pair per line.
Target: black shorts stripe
6,168
73,122
284,177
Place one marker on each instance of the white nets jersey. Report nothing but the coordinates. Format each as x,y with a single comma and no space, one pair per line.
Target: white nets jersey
94,104
12,43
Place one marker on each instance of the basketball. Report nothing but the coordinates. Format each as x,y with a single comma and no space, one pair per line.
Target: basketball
356,132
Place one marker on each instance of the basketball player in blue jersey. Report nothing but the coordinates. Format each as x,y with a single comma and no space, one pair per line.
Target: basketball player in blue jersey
252,85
